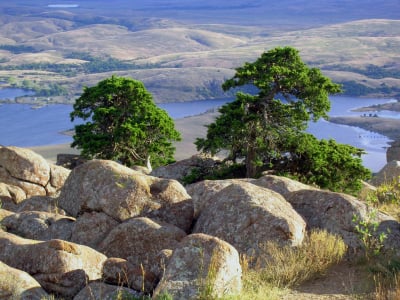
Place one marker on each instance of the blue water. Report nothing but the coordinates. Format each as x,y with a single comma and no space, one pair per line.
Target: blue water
23,126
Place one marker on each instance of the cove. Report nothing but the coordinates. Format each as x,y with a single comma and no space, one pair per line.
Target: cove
24,127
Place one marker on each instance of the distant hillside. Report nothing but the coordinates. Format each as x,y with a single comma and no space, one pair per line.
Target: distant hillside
184,51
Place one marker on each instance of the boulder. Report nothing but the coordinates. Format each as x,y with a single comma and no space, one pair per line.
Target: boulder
201,265
40,203
119,271
103,291
27,170
11,195
38,225
139,240
60,267
281,185
122,193
182,168
203,193
390,172
58,175
330,211
248,216
24,165
17,284
92,228
3,214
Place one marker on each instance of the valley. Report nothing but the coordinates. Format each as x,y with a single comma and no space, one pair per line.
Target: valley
186,51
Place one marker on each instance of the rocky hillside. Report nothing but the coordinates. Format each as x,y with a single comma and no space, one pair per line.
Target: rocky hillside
103,228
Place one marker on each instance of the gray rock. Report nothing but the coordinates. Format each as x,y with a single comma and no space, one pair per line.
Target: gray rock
201,264
247,216
122,193
17,284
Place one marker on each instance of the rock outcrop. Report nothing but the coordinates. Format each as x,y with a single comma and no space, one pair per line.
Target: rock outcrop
142,247
182,168
60,267
37,225
122,193
24,173
112,232
201,265
247,216
17,284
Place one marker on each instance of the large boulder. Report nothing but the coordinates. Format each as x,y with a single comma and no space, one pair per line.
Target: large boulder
248,216
92,228
203,192
27,170
139,240
60,267
122,193
331,211
282,185
17,284
201,265
38,225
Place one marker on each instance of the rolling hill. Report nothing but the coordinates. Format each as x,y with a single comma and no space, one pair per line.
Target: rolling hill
184,51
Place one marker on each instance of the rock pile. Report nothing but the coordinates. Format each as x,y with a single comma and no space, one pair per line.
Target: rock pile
104,229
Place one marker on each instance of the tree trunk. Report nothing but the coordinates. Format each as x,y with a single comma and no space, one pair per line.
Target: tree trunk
251,168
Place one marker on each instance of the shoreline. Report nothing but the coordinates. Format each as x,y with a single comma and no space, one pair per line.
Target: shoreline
190,128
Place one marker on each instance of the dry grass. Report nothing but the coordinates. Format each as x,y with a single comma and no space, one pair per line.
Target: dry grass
288,266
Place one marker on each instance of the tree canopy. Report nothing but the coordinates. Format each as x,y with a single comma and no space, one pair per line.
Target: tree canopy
123,123
266,129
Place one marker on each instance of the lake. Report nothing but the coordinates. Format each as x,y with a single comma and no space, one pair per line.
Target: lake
24,127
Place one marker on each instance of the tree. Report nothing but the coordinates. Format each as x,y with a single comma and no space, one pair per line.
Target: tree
260,128
123,123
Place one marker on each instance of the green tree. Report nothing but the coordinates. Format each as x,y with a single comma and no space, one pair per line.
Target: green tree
261,128
123,123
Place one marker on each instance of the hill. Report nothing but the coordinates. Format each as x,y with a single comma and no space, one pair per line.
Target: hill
185,50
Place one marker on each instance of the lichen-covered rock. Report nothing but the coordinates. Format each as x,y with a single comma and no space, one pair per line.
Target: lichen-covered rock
60,267
38,225
139,240
17,284
201,264
103,291
331,211
30,172
119,271
58,175
11,195
40,203
281,185
24,165
122,193
247,216
203,192
91,229
182,168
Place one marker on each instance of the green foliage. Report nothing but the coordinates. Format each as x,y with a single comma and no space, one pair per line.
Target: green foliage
123,123
221,171
367,230
266,130
325,163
